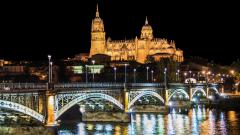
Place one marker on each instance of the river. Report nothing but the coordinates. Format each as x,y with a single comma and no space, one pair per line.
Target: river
198,120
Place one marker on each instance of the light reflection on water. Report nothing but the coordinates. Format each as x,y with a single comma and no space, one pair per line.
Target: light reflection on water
198,121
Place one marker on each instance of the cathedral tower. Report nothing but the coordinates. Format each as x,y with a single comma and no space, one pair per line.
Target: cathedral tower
98,42
147,32
144,42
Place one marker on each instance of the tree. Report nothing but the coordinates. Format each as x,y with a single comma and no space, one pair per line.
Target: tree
171,66
236,65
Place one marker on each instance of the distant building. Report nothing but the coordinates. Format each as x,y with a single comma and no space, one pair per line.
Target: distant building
4,62
91,69
138,49
40,72
82,57
14,69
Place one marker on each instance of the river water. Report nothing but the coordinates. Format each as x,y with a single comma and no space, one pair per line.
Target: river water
199,120
196,121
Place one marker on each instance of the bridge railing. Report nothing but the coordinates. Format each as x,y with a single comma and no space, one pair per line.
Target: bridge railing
87,85
145,84
100,85
14,86
194,84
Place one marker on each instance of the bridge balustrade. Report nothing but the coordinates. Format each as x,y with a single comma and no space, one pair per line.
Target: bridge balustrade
145,84
87,85
14,86
104,85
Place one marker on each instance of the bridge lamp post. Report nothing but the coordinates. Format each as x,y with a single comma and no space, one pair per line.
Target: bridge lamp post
147,73
208,73
115,74
165,77
185,75
125,80
178,78
204,74
190,73
152,75
198,76
86,73
49,70
134,75
93,62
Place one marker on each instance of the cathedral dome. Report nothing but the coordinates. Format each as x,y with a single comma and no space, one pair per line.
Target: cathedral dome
147,31
147,27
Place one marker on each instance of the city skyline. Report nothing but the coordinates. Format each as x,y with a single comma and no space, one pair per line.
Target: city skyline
32,32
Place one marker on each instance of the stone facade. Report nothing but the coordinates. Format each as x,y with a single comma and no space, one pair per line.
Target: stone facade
138,49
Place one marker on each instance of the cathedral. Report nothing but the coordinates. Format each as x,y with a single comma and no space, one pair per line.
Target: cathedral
138,49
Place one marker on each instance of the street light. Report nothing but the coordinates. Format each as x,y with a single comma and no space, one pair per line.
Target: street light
152,75
190,73
115,74
134,75
176,76
147,73
49,70
185,75
232,72
165,77
125,73
93,61
208,73
86,73
198,76
178,71
204,74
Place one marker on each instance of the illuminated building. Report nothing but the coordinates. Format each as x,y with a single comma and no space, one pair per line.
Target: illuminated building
138,49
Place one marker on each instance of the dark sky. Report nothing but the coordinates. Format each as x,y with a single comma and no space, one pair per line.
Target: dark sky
31,30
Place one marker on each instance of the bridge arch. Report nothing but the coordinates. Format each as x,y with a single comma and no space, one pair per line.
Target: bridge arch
87,96
144,93
176,91
23,109
198,89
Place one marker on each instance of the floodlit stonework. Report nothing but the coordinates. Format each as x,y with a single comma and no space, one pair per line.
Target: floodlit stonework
138,49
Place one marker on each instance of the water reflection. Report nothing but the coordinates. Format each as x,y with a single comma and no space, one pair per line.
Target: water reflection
198,120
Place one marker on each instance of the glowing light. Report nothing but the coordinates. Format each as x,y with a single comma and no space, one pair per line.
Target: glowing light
117,128
210,97
170,104
82,108
108,127
81,129
99,127
90,126
194,99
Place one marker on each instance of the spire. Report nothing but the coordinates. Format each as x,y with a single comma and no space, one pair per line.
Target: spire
97,13
146,21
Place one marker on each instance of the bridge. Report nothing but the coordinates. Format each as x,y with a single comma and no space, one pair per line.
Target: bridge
47,103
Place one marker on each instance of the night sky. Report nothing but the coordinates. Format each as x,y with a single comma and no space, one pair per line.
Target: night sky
31,30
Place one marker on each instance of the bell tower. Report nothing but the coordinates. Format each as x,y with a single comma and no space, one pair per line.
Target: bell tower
98,42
